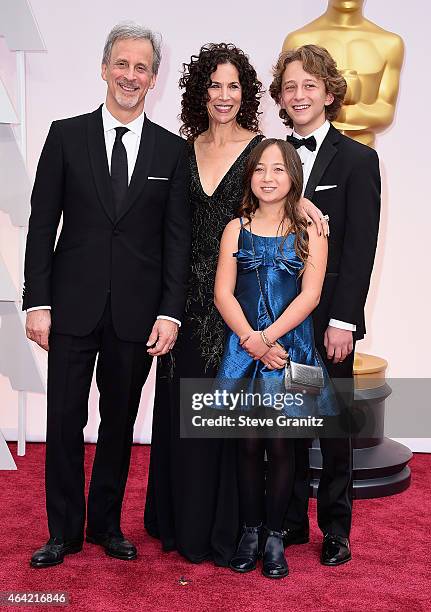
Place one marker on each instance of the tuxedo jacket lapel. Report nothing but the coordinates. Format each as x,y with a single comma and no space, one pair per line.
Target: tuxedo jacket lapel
99,162
324,157
139,178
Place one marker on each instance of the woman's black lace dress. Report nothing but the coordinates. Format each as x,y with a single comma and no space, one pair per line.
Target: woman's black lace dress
192,503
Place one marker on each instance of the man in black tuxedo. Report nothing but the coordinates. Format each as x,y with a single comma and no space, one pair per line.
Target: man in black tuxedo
342,178
114,287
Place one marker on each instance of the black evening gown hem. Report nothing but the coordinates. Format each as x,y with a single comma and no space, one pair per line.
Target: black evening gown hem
192,495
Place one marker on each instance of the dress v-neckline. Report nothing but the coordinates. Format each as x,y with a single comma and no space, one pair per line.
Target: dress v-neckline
226,174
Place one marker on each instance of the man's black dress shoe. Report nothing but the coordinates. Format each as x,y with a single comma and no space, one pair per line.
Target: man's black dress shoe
335,550
247,552
115,546
296,535
274,561
54,551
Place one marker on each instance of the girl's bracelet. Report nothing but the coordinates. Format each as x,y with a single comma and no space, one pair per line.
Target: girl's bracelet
266,341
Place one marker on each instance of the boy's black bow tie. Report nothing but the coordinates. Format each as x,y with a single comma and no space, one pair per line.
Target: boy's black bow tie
309,142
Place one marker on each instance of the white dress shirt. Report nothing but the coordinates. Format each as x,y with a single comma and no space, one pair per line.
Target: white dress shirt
131,141
308,158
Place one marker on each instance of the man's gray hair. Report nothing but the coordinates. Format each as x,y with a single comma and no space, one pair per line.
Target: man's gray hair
132,30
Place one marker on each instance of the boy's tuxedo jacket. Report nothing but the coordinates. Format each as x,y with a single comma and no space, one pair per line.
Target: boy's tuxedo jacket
345,184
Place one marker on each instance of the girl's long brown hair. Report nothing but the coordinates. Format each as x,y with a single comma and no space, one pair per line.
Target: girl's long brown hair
297,224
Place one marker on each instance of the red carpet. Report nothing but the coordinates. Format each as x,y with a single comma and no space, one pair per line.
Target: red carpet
390,570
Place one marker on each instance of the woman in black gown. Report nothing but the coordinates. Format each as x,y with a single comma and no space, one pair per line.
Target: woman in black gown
192,501
192,494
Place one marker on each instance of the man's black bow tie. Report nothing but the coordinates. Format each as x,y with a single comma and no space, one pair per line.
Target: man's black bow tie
309,142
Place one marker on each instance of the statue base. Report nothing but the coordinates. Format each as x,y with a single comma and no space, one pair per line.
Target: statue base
380,465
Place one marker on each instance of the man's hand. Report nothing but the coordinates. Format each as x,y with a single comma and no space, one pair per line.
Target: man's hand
254,345
314,215
338,343
275,358
37,327
162,338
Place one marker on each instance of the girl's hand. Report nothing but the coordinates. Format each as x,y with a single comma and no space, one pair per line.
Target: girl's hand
275,358
254,345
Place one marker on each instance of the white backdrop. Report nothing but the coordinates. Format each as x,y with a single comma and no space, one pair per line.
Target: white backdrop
66,81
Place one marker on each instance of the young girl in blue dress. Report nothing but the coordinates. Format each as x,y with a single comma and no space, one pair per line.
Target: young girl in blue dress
266,293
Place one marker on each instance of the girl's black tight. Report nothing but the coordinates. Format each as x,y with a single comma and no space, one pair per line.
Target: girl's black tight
265,500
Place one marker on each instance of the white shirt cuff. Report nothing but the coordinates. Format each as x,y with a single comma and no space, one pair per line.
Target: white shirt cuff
38,308
166,318
342,325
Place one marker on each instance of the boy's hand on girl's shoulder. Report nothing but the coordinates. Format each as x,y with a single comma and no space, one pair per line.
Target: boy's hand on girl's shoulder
314,215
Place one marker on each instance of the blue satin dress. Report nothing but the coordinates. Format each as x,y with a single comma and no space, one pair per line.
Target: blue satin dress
279,267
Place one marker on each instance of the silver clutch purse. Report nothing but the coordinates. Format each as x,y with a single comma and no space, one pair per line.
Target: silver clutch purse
306,377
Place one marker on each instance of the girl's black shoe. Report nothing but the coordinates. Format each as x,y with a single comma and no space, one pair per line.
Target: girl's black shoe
274,561
247,552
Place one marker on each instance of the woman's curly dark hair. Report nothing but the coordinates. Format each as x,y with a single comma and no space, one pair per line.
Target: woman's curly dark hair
196,80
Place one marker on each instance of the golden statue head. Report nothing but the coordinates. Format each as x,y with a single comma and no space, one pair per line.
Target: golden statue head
346,6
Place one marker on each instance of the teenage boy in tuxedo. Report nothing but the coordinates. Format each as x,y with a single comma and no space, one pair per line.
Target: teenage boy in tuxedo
342,178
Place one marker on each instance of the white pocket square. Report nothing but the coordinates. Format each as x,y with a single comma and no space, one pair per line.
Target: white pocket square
158,178
323,187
